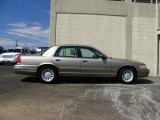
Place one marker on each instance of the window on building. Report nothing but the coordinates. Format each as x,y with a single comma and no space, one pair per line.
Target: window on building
115,0
145,1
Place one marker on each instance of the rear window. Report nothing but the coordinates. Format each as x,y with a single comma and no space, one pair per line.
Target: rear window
7,56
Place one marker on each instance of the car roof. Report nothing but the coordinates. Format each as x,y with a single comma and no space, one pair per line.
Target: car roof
74,45
42,47
10,53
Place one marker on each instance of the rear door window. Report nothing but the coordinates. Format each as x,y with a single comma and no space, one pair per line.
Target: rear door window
66,52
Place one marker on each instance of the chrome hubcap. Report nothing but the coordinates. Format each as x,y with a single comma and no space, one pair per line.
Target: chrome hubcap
127,75
47,75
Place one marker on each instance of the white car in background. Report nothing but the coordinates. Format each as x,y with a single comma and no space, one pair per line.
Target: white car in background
9,58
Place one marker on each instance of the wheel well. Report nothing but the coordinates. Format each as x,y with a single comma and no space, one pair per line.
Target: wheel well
127,67
47,65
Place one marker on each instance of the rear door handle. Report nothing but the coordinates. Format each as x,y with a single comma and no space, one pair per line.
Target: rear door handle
58,60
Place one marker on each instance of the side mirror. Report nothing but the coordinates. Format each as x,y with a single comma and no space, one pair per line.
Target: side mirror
103,57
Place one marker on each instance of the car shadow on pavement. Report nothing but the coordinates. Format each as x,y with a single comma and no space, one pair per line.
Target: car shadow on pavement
86,80
143,81
31,80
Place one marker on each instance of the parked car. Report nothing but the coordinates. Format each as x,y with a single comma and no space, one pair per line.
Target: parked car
9,58
21,50
77,60
1,49
41,50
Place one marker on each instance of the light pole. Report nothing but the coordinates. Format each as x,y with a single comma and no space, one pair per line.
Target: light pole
157,38
16,43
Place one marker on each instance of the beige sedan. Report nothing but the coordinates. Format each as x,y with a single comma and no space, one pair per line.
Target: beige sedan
78,60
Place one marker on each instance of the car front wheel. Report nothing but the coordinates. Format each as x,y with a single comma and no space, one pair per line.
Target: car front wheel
127,75
48,75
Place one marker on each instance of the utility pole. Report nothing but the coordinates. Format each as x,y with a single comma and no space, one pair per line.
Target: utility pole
158,47
25,44
16,43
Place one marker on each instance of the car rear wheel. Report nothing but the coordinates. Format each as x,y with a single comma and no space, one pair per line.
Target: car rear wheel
127,75
48,75
1,63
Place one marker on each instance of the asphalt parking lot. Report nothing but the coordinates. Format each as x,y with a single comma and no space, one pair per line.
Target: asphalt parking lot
26,98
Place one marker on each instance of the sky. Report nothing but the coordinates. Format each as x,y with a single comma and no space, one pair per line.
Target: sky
25,21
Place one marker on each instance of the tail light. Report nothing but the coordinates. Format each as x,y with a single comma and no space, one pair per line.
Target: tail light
18,60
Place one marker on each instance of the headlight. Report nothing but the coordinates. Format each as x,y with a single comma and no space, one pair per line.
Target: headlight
142,66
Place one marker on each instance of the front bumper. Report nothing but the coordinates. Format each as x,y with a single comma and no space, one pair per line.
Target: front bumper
143,73
25,69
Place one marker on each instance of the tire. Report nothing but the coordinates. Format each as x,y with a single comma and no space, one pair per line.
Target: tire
1,63
48,75
127,75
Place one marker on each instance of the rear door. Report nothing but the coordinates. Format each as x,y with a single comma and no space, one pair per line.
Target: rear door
92,63
66,58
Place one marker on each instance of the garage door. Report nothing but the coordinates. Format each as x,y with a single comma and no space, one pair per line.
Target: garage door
106,33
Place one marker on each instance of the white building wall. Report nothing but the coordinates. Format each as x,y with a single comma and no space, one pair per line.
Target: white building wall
107,33
121,29
144,43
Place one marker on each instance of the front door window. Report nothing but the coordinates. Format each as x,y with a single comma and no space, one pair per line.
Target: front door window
89,53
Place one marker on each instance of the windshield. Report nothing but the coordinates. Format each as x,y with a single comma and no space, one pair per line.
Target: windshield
14,50
17,50
10,50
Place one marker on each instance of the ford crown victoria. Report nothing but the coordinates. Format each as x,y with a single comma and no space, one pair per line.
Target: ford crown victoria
78,60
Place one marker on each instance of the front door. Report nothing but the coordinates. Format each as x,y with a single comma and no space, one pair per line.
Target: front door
92,63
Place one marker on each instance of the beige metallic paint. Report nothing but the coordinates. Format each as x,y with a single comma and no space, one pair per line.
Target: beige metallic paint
108,67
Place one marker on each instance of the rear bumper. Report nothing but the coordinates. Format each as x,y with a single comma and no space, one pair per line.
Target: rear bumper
25,69
10,62
143,73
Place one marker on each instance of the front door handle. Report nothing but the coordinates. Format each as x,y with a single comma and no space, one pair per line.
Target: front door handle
84,61
58,60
